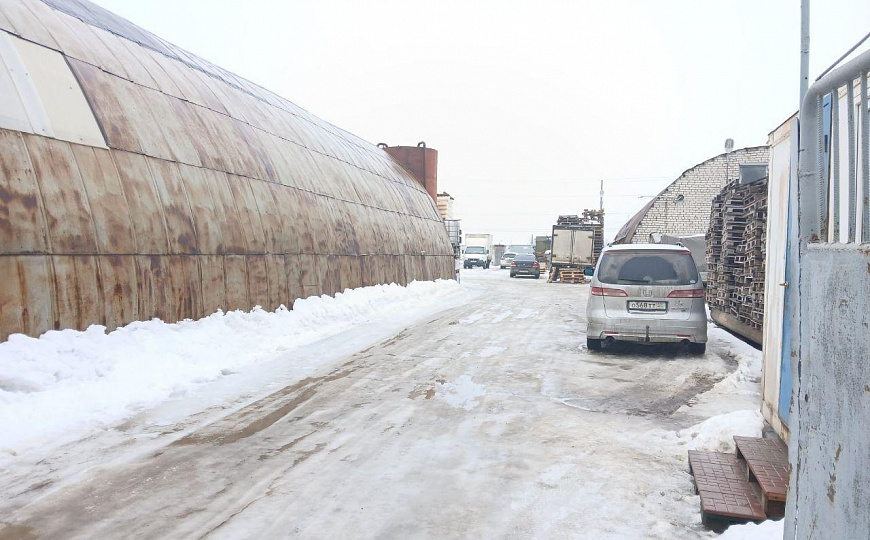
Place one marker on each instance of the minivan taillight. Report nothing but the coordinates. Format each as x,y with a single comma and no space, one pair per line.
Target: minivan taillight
604,291
687,293
513,264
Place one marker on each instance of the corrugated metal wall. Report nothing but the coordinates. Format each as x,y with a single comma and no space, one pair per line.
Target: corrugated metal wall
212,193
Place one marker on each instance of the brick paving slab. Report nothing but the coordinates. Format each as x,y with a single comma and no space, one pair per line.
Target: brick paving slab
720,480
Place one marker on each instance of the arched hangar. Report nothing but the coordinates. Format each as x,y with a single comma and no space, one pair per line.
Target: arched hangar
138,180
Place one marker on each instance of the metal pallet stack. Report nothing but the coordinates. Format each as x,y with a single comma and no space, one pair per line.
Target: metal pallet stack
736,244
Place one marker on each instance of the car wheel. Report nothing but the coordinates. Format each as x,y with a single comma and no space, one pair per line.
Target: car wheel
697,348
537,276
513,275
593,344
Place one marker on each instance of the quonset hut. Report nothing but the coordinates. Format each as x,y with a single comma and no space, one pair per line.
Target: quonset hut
138,180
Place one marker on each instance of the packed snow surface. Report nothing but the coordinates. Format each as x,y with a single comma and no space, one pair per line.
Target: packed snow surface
70,381
716,434
768,530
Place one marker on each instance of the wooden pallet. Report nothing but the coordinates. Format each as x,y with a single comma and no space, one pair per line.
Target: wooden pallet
566,275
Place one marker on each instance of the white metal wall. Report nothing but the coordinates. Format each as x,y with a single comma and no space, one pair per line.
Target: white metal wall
780,141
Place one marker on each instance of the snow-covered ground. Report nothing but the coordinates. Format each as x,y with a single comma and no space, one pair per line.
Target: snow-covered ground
436,410
67,383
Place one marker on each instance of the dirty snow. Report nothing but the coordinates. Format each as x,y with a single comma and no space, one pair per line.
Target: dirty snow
69,381
463,392
716,434
427,427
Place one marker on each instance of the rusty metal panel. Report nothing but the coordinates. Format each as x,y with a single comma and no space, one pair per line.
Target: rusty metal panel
172,127
236,272
174,70
271,220
143,201
22,225
203,210
25,299
114,229
175,208
329,267
249,214
79,302
66,304
153,291
184,286
118,282
214,292
162,80
26,24
293,268
209,155
226,214
136,72
103,94
258,281
68,214
77,39
230,98
222,134
276,272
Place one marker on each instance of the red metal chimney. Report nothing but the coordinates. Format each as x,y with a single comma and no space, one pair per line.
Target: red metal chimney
420,161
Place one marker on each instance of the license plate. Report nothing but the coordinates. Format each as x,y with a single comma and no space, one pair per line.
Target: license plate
648,306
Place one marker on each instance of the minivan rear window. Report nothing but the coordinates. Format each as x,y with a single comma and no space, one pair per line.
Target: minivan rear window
637,268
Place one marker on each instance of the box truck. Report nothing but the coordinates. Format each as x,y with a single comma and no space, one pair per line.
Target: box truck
478,250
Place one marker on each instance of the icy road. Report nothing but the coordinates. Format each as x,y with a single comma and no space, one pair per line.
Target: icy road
484,417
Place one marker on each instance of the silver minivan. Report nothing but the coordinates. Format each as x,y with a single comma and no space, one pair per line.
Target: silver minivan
646,293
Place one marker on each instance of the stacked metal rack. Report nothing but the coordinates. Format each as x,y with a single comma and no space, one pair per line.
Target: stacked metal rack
736,244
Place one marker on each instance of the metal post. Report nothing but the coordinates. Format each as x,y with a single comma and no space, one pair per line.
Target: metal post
805,48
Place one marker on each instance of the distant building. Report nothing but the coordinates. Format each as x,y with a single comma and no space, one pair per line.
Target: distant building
683,208
445,206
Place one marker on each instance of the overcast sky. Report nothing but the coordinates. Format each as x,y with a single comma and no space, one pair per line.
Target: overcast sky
529,104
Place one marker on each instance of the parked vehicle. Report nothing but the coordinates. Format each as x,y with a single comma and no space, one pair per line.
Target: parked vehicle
506,259
520,248
478,250
646,293
572,247
525,264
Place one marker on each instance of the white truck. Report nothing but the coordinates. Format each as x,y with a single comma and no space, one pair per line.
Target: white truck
573,247
478,250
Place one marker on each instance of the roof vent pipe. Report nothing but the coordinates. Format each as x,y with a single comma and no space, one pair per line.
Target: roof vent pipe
382,145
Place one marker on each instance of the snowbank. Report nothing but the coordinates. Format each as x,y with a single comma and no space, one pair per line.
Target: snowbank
70,381
716,434
768,530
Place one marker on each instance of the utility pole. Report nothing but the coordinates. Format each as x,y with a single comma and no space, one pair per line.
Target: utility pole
805,48
601,199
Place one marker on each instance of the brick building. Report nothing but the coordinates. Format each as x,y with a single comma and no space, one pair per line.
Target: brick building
683,208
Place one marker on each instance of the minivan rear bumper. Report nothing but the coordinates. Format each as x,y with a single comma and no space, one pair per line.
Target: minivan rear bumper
647,330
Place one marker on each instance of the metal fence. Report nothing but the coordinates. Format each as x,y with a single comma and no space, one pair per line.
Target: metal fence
828,281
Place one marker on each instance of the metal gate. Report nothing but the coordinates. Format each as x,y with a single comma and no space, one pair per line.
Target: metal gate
828,311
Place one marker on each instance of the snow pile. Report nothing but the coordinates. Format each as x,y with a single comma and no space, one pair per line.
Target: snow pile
749,359
716,434
66,381
768,530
